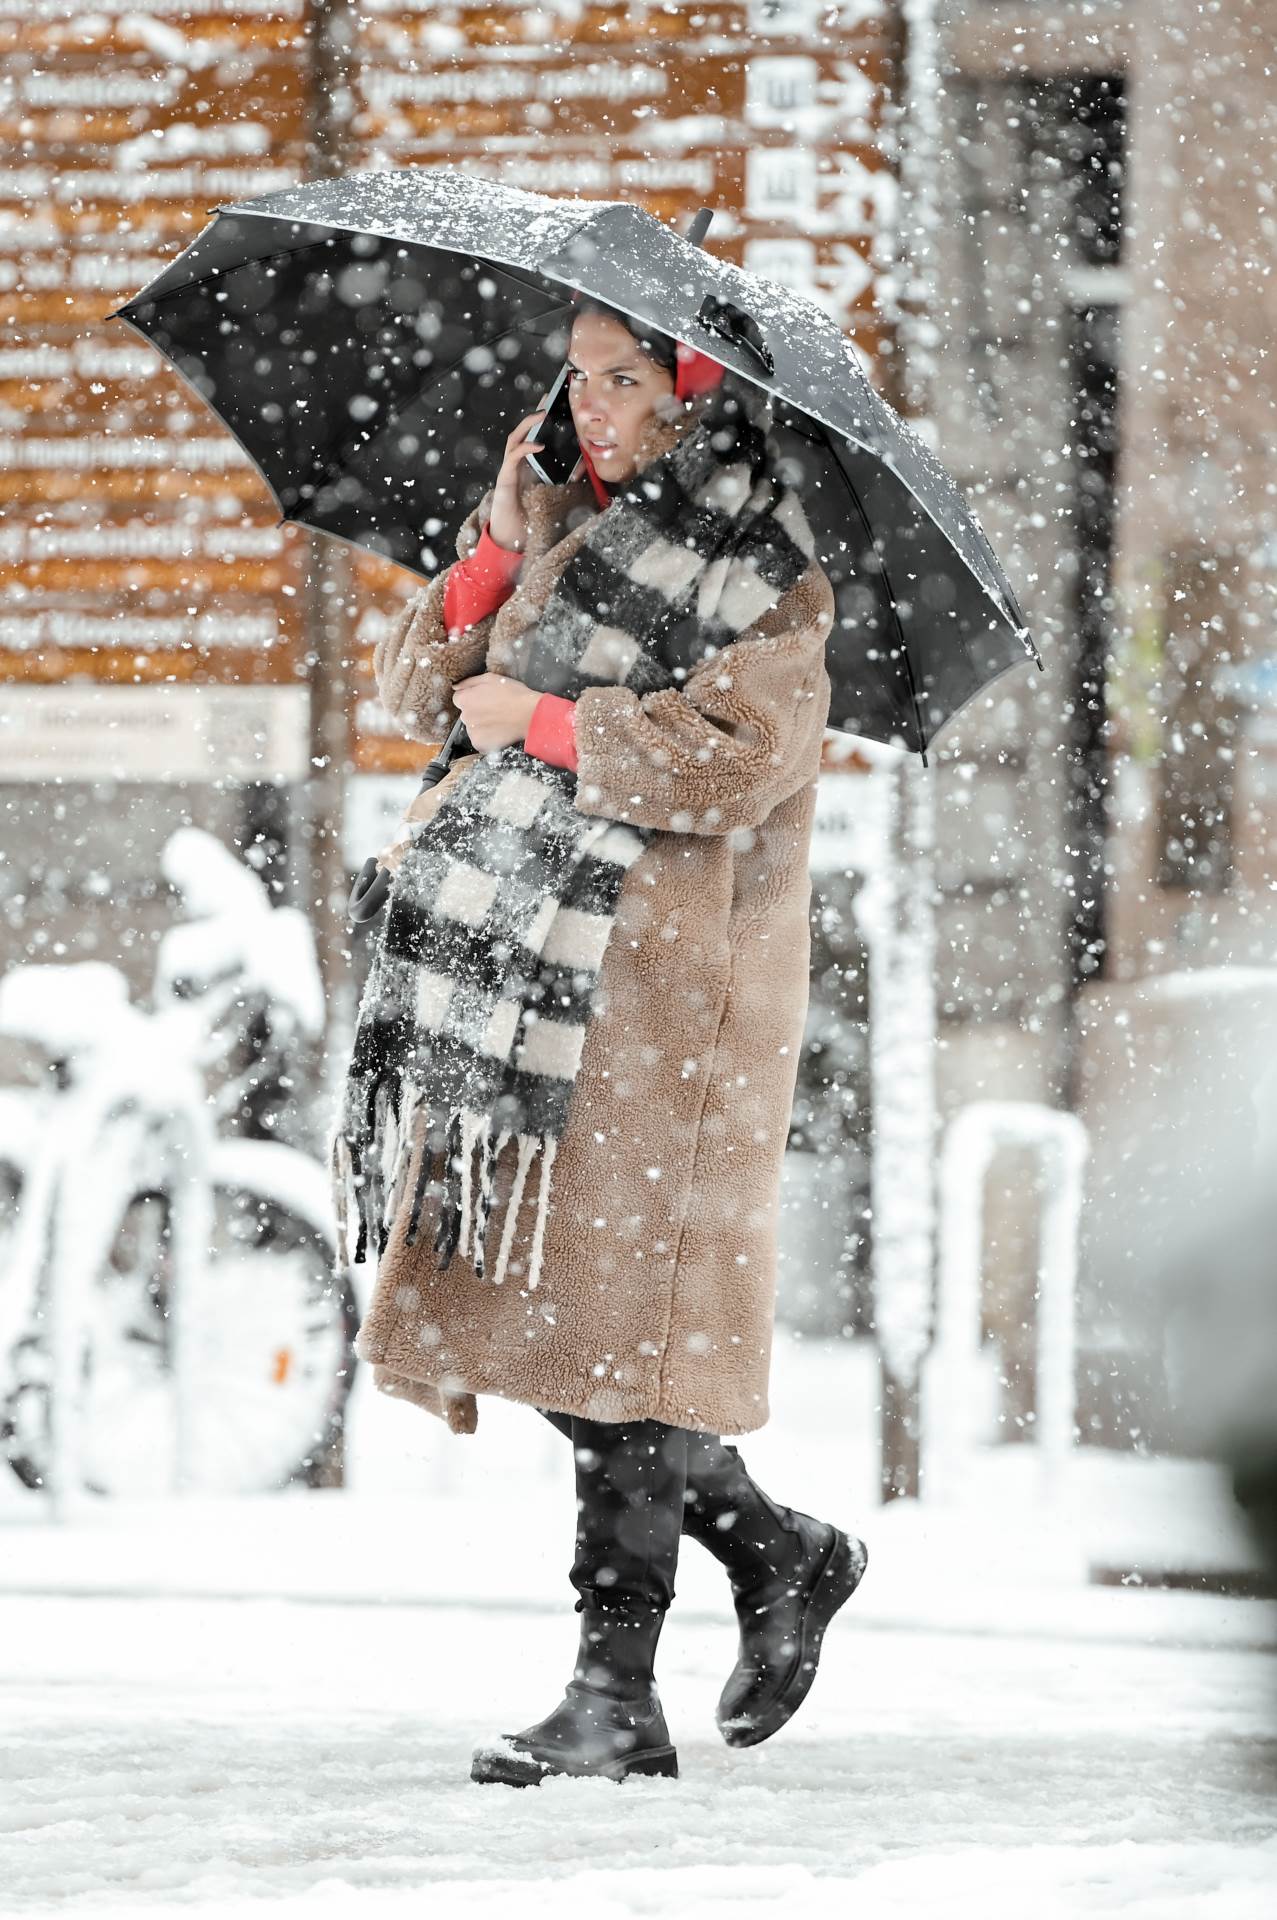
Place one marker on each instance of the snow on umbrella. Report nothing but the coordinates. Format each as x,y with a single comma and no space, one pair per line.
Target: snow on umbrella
371,339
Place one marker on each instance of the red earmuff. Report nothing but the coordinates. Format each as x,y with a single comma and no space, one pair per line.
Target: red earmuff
697,372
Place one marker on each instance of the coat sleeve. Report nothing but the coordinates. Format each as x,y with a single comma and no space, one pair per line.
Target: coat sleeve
419,659
740,735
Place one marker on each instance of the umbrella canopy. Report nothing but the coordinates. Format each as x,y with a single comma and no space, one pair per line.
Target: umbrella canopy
371,340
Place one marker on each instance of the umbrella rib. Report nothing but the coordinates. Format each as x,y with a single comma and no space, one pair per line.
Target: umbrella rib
511,269
290,253
221,273
331,464
1007,603
344,453
191,388
904,647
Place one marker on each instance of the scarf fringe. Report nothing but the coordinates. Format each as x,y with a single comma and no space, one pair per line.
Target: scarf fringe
370,1173
449,1232
549,1147
528,1143
491,1153
473,1128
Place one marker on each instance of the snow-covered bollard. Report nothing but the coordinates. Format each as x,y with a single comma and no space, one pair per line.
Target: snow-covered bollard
953,1389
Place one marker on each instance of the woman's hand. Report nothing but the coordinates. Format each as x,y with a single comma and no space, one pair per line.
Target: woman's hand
497,710
508,523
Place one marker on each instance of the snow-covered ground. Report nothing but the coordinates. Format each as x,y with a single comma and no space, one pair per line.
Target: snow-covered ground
159,1753
220,1703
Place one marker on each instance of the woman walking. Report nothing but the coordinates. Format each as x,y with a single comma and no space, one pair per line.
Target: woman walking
580,1034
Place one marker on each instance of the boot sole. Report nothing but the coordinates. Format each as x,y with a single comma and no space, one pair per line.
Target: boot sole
491,1767
834,1585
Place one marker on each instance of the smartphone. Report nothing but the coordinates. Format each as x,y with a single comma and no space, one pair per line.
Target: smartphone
557,448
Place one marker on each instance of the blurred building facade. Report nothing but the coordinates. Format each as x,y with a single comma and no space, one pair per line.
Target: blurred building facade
1107,392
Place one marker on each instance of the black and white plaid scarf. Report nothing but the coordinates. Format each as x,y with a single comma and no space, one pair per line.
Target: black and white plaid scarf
474,1014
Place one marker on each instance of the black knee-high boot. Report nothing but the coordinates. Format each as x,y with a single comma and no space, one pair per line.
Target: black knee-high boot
630,1481
789,1575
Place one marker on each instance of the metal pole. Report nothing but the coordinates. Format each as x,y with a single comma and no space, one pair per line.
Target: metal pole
902,1052
902,990
332,29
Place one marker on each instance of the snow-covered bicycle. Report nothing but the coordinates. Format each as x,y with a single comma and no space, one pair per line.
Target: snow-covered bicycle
172,1316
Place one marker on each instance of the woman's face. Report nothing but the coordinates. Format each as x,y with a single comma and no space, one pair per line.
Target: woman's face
613,389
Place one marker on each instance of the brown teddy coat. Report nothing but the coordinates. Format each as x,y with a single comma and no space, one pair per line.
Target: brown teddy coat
659,1262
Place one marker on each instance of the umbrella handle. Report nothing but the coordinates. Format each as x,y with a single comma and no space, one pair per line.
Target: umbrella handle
368,895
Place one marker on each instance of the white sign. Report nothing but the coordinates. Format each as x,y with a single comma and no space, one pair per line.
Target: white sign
779,89
780,183
849,830
84,733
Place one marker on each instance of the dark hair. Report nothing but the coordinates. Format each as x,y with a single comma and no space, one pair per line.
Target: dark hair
656,345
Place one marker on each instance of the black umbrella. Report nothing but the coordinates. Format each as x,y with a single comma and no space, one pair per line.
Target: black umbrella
370,340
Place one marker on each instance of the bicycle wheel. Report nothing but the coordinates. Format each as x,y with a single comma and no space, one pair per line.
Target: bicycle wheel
271,1332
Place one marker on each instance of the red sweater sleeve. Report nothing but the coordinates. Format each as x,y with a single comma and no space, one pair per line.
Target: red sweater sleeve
551,733
478,586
